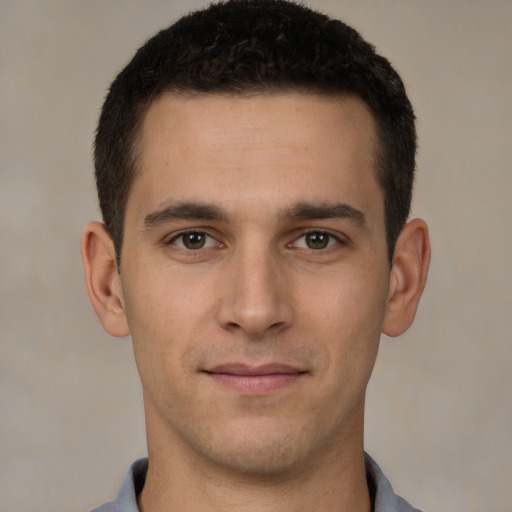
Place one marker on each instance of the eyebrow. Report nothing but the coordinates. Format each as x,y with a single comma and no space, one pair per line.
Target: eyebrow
309,211
183,210
297,212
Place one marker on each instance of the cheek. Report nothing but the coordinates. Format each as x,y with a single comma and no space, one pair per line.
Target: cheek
347,314
167,321
348,300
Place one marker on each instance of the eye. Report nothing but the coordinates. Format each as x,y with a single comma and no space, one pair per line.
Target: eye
193,241
316,240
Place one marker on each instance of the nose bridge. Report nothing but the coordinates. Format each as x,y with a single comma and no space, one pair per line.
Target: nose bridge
255,298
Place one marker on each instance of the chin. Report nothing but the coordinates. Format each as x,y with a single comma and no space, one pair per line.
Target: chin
259,452
272,459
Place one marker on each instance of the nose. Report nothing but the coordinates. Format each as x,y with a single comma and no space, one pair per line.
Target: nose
256,295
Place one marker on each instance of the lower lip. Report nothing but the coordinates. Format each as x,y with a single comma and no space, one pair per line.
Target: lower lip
256,384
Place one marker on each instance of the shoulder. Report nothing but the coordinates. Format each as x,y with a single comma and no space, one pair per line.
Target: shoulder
384,498
133,482
106,507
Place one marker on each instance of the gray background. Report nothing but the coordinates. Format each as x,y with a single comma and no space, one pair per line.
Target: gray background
439,411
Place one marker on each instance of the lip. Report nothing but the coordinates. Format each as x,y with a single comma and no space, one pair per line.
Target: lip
255,380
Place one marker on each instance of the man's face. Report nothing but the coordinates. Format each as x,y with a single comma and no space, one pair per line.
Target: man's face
255,275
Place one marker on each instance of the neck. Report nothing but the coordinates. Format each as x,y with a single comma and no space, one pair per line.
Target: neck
177,481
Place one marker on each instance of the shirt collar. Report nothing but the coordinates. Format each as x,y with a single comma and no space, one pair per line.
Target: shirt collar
384,498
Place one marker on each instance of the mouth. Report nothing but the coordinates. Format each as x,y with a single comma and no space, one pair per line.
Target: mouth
255,380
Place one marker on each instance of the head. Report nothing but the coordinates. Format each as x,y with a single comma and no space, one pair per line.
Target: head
259,158
248,47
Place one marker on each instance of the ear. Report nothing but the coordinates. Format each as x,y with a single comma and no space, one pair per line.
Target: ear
409,271
102,279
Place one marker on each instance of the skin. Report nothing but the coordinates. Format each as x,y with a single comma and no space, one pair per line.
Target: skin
255,285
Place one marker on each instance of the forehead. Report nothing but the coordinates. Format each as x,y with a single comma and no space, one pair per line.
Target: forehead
255,147
261,116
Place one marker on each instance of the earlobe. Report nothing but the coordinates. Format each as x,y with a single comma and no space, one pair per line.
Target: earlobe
102,279
409,271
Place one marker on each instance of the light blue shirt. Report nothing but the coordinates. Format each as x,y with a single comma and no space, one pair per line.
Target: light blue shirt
385,498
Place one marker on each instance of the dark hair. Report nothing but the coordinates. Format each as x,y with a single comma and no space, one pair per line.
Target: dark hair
256,46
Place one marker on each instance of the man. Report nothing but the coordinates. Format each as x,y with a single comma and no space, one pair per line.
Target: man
254,165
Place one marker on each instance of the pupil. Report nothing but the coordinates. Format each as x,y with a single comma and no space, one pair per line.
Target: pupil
317,240
194,240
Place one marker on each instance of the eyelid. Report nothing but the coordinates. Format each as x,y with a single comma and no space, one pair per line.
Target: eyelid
338,238
171,240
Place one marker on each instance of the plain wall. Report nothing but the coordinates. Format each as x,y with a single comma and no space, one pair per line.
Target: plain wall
439,417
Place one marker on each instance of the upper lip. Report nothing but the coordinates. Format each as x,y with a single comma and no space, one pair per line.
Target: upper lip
245,369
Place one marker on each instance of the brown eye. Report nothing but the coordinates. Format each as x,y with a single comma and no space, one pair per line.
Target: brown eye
193,240
317,240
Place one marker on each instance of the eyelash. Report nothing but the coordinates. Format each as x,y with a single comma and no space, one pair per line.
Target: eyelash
182,234
332,240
